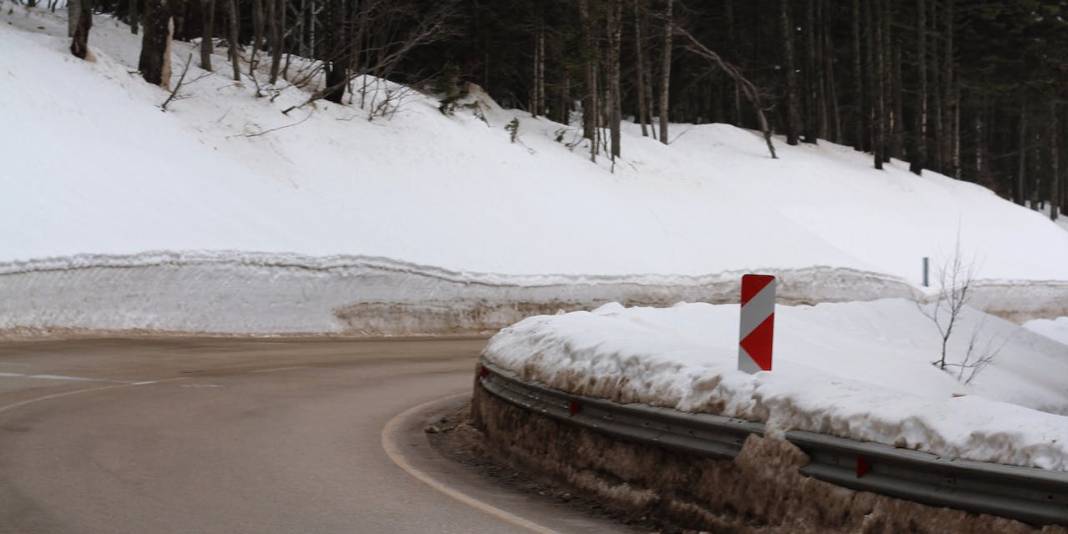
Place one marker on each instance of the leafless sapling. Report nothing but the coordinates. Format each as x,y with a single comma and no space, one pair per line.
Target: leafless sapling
956,279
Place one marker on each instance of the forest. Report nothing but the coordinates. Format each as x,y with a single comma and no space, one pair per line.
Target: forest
969,88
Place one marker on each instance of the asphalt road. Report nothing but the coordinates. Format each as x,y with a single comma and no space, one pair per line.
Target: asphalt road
230,435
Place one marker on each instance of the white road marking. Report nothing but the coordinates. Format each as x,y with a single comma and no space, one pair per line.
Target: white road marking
74,378
389,443
276,369
63,377
19,404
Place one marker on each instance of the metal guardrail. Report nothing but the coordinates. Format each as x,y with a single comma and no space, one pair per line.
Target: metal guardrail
1030,495
705,434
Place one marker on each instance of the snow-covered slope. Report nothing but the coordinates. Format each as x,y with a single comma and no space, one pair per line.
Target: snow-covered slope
860,370
91,165
1055,329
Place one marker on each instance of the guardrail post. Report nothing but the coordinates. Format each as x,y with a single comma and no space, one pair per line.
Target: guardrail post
757,325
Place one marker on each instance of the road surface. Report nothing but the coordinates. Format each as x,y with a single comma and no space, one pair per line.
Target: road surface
235,435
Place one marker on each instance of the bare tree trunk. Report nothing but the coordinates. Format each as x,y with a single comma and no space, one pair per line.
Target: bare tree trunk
79,44
154,62
810,126
302,29
732,38
665,73
897,123
207,32
600,110
951,107
1021,159
639,52
537,92
615,111
74,13
937,96
793,111
1036,185
590,106
978,124
257,34
235,44
875,73
1061,181
541,73
832,85
885,72
358,47
957,171
285,43
135,17
919,157
313,28
1054,162
860,129
337,54
276,10
532,101
563,113
650,96
823,104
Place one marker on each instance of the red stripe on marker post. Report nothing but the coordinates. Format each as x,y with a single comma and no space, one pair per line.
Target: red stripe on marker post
757,325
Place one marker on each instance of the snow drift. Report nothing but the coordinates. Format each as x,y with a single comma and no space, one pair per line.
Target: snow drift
856,370
1055,329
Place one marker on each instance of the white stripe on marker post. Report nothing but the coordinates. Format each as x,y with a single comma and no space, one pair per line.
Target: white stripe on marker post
757,327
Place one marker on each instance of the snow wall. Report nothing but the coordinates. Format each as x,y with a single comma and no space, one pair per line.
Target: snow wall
242,294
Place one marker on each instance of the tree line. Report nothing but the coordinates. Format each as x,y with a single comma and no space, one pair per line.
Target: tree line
974,89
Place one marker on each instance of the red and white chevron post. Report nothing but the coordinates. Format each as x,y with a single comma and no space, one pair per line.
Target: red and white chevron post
758,323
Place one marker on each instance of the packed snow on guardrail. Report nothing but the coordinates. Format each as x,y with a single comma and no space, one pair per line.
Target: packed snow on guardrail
859,370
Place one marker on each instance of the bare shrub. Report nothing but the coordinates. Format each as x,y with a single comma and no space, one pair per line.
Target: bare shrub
956,277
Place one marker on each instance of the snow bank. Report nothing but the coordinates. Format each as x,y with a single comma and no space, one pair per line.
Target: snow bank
1020,300
244,293
1055,329
858,370
102,170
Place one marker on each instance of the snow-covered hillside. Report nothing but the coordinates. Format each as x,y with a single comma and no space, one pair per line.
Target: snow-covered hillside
860,370
1055,329
92,165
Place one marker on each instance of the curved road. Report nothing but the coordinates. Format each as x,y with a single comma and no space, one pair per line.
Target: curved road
235,435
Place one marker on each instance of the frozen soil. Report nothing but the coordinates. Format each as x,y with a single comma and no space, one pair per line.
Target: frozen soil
453,437
760,491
